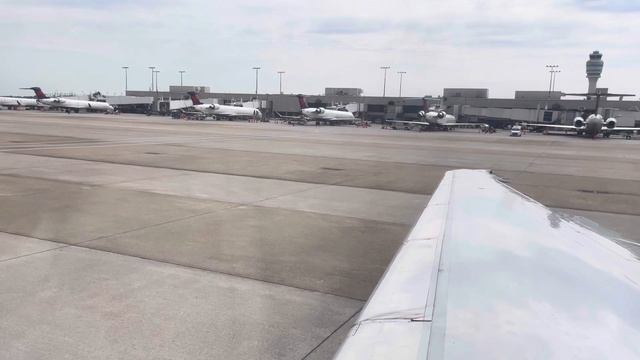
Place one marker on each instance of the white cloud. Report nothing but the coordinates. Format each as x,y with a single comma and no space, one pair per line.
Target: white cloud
502,45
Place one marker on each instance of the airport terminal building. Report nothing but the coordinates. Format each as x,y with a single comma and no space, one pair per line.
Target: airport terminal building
466,104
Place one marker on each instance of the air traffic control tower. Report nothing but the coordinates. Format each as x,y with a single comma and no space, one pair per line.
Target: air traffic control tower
594,69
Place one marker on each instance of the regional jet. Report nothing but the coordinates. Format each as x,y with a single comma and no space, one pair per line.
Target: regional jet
489,273
594,123
224,110
324,115
70,104
431,119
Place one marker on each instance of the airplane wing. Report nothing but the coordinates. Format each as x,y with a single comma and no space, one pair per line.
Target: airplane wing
407,122
598,94
553,126
328,119
618,128
463,124
288,116
192,112
488,273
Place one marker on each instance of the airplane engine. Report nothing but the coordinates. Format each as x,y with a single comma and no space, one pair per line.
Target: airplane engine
610,123
422,114
319,111
441,114
578,122
214,107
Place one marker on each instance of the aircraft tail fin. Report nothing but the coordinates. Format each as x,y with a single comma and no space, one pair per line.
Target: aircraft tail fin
194,98
38,91
302,102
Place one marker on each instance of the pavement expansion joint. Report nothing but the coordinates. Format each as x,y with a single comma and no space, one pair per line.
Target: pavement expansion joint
332,333
80,246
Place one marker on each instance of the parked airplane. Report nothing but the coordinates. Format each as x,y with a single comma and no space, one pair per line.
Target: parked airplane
594,123
224,110
324,115
13,103
431,119
488,273
70,104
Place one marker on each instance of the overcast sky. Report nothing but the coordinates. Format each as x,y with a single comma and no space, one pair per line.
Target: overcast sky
78,45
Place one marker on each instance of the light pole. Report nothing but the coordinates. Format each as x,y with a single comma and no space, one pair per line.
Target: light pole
156,72
401,73
181,72
280,74
256,68
125,79
152,68
384,84
553,87
157,96
551,70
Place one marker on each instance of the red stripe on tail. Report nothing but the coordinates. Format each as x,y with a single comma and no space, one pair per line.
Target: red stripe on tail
194,98
39,93
302,102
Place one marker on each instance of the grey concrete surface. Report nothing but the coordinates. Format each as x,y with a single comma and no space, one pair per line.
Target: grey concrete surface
386,206
239,240
72,213
330,254
229,188
309,169
625,226
75,303
85,172
14,246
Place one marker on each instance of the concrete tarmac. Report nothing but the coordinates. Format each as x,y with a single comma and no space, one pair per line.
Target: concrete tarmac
145,237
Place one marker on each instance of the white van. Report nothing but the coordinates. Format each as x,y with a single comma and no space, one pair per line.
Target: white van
516,130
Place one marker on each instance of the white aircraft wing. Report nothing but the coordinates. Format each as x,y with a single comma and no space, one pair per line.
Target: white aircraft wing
553,126
463,124
619,128
488,273
297,117
191,112
408,122
327,119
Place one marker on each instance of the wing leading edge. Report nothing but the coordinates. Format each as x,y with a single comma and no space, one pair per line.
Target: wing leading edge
488,273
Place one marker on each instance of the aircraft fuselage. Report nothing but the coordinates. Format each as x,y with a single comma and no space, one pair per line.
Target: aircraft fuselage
16,102
76,104
322,113
228,111
593,125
